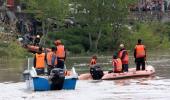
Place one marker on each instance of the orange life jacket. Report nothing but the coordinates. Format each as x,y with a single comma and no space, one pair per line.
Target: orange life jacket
49,58
125,60
60,52
140,51
117,63
40,60
93,62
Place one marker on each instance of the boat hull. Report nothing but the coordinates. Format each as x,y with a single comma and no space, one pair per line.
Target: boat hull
113,76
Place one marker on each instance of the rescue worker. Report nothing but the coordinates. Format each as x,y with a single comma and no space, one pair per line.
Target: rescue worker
93,60
61,54
37,40
140,55
39,61
51,59
95,69
123,55
117,64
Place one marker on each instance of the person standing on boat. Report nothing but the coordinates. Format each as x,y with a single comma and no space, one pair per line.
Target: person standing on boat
140,55
117,64
51,59
61,54
39,61
37,40
123,55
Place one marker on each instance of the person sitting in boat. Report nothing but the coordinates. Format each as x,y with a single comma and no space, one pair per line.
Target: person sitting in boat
51,59
95,69
123,55
39,61
140,55
93,61
117,64
61,53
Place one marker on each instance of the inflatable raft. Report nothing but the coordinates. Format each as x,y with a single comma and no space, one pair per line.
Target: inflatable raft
34,49
113,76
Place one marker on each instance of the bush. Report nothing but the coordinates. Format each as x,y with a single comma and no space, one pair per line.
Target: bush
15,50
150,37
3,52
78,48
153,35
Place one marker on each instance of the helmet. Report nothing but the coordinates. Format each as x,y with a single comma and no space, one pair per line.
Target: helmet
57,42
121,46
38,36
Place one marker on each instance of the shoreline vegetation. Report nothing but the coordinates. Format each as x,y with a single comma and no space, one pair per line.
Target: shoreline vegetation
85,28
10,48
156,37
13,50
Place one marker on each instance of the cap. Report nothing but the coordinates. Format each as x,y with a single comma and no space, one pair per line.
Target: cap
121,45
38,36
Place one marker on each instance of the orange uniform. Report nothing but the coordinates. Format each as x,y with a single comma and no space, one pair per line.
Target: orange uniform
140,51
50,56
117,63
60,52
93,61
125,59
40,60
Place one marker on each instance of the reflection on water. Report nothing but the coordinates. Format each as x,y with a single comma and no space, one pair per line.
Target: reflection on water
131,89
11,69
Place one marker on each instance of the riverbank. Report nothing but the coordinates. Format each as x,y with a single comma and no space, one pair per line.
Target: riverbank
10,47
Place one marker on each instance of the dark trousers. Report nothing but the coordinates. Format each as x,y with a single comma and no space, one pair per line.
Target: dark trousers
140,62
40,71
50,67
60,64
124,67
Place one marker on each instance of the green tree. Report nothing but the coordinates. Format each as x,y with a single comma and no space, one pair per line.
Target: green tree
47,10
100,15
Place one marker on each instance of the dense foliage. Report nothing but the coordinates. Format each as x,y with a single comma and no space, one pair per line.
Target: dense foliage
12,49
96,25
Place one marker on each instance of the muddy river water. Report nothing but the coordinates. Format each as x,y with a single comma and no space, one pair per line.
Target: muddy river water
12,86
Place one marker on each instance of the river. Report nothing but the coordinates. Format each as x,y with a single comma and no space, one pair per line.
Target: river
151,88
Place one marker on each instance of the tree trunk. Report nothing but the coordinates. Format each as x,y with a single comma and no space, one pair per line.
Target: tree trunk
97,40
44,31
90,42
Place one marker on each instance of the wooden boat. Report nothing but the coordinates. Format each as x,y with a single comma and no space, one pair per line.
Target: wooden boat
113,76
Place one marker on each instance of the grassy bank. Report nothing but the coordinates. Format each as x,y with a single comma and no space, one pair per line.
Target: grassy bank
10,48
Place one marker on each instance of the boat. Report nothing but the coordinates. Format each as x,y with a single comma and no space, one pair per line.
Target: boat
149,71
57,80
34,49
50,82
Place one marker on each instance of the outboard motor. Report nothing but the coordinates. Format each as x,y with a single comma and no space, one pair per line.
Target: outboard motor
96,72
57,78
26,75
